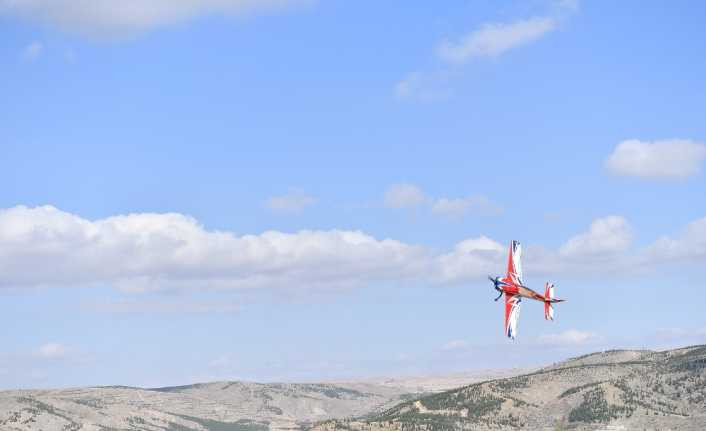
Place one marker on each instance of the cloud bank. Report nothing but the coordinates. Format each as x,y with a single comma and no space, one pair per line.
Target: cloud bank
44,246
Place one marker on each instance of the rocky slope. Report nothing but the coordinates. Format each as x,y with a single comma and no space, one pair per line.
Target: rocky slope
616,389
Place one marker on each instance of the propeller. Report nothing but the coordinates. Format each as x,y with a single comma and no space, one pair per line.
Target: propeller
495,282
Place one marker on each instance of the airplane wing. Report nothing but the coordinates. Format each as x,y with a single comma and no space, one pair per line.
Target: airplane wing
512,314
514,263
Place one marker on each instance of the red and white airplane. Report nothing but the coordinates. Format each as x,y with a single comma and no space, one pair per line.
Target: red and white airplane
514,289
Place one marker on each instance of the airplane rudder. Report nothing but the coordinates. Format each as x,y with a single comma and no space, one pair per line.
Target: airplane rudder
549,290
548,311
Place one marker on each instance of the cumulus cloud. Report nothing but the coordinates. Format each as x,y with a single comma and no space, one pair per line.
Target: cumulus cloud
292,202
52,351
110,18
32,51
493,39
45,246
471,258
571,337
606,237
404,196
666,159
607,243
459,207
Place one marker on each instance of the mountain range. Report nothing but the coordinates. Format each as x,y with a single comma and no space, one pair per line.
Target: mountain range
616,389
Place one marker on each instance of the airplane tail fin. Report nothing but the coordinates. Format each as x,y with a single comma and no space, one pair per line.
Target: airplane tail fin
548,307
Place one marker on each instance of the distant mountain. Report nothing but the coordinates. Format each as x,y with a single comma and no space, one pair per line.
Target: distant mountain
619,390
218,406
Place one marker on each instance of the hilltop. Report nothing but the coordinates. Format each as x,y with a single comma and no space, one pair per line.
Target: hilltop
636,389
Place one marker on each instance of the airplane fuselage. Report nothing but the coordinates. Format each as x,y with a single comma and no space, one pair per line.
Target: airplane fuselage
510,288
526,292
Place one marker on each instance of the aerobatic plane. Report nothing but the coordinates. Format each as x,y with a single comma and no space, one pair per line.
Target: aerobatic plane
514,290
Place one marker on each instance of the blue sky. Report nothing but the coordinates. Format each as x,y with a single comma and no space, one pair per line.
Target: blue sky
308,190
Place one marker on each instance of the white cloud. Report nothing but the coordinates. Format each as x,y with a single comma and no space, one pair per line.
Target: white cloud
471,258
459,207
292,202
52,351
32,51
605,247
571,337
44,246
493,39
690,244
111,18
666,159
455,345
607,236
404,196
